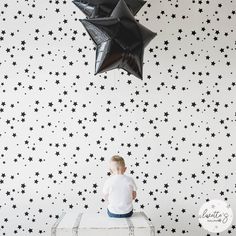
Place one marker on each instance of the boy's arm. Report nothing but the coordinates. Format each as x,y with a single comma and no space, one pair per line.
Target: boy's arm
105,191
134,194
105,196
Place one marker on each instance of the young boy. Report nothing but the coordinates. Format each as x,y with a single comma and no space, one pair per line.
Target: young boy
119,189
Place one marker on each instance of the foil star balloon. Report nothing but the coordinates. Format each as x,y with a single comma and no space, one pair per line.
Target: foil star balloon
104,8
120,41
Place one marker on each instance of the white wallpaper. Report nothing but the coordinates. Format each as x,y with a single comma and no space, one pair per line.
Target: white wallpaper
60,124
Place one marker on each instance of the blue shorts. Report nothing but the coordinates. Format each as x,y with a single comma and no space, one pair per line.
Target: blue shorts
120,215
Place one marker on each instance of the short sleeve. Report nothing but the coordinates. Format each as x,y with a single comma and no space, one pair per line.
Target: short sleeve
133,185
105,189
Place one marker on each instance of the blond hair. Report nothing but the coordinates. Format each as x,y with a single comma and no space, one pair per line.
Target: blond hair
117,162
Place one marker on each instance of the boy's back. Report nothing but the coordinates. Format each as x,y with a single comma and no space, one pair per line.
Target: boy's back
119,188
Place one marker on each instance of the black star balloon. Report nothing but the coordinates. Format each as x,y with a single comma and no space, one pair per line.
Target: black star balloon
120,41
104,8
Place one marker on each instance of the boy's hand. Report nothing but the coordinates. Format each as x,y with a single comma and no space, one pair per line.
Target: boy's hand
134,194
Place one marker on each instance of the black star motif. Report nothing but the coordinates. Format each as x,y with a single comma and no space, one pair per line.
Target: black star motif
104,8
120,40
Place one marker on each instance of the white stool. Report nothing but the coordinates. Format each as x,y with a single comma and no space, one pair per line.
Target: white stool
100,224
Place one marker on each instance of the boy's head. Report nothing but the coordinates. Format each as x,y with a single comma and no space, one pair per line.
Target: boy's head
117,165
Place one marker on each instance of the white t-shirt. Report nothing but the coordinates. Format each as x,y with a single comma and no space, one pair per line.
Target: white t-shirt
119,189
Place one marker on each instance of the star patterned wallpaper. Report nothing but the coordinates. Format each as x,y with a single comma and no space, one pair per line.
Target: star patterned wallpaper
60,124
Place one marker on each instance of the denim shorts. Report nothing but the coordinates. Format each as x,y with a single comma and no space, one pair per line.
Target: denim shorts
120,215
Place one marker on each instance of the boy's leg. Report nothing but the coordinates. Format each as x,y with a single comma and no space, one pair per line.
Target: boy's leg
113,214
129,214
